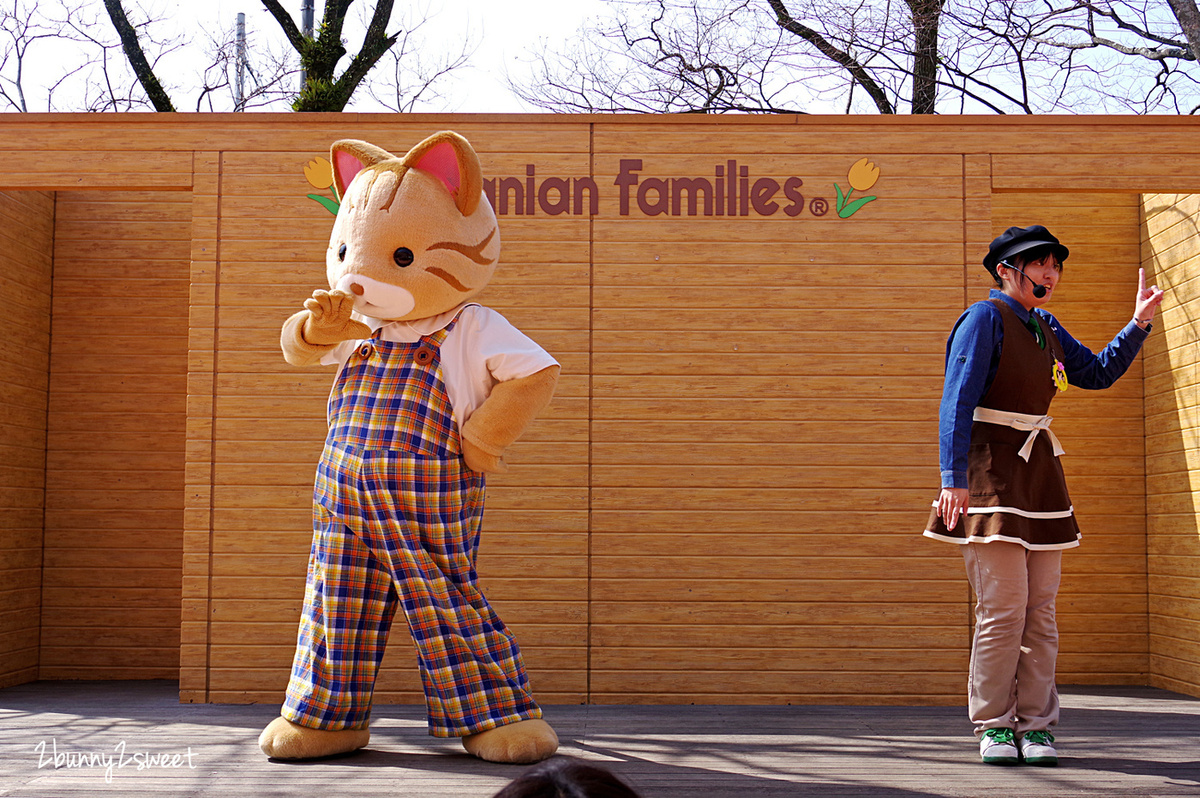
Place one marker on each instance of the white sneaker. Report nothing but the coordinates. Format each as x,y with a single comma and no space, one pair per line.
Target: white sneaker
997,747
1037,750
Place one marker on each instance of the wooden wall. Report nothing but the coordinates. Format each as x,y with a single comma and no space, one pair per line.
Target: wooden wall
724,501
26,250
764,437
1171,257
1102,601
114,450
683,527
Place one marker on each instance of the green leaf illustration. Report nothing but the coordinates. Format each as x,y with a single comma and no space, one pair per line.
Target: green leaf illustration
850,209
328,204
840,200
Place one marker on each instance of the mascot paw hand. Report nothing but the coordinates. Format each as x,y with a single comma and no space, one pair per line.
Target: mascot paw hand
283,739
482,461
522,742
329,320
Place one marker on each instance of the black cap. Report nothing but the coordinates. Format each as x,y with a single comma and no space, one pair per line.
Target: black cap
1018,239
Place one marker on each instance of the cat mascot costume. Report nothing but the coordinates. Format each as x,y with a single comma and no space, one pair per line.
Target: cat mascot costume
431,389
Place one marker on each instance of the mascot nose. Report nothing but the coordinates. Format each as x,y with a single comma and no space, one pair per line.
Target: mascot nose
356,289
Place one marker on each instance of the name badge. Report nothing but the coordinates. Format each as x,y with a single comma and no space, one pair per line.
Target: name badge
1060,375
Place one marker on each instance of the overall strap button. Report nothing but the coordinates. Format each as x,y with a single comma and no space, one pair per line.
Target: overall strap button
424,355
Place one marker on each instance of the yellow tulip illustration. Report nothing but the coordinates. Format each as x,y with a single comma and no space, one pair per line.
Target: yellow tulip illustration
319,173
863,174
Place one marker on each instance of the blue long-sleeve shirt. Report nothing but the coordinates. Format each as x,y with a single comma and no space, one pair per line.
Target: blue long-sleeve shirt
973,355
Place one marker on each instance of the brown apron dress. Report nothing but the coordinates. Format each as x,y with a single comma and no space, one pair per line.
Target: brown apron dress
1012,499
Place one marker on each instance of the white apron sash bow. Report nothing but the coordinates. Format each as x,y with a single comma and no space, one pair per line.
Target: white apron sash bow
1021,421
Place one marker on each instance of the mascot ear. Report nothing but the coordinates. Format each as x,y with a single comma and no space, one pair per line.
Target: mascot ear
450,158
349,156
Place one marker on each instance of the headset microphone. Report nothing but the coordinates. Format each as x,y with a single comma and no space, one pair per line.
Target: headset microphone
1039,290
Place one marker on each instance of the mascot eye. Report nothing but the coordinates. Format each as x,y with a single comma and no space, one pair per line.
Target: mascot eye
342,252
403,257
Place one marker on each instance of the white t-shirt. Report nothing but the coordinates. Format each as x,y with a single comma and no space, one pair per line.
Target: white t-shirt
481,350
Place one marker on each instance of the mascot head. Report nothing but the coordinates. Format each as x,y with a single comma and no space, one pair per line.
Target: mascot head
414,236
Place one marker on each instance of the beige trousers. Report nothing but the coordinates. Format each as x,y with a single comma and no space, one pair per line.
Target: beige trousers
1011,682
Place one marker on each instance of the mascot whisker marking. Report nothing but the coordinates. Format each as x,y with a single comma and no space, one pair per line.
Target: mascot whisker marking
431,390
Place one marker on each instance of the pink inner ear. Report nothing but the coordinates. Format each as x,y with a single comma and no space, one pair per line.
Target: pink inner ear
441,161
346,166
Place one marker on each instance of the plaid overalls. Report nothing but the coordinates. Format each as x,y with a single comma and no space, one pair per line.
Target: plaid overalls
396,519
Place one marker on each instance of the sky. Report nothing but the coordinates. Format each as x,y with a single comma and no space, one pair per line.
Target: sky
506,33
504,29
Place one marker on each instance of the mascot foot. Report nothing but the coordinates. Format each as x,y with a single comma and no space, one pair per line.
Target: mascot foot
522,742
283,739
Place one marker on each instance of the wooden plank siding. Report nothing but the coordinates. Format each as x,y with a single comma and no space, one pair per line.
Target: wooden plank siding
1171,257
1101,606
754,379
26,261
722,504
196,611
114,451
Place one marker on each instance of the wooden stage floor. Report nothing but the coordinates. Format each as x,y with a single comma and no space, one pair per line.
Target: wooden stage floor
1113,741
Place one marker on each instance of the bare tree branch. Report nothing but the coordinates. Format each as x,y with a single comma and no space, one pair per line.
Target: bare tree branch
1090,38
320,56
286,23
708,60
137,58
94,71
22,29
1188,15
861,76
270,72
923,56
409,78
1094,41
926,15
375,44
1141,31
